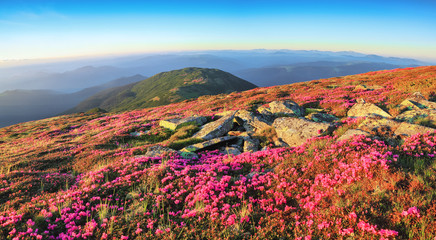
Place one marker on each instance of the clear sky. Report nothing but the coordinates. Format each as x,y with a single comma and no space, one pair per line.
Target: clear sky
63,28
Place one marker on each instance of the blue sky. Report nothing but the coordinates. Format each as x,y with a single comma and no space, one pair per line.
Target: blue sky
50,29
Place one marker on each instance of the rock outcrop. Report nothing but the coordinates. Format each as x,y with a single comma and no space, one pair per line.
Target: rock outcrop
209,145
419,98
289,108
217,128
321,117
252,122
416,114
295,131
378,125
233,133
407,129
363,109
174,123
351,133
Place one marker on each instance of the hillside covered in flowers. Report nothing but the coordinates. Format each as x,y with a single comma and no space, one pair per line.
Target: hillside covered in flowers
99,176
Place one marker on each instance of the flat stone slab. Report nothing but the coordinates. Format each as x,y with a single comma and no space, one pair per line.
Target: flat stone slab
174,123
217,128
407,129
351,133
208,145
295,131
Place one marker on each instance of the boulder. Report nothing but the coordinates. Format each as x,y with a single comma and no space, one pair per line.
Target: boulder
378,125
279,143
411,105
363,109
407,129
351,133
217,128
174,123
367,88
230,151
413,115
295,131
288,107
321,117
251,122
264,110
251,144
209,145
419,98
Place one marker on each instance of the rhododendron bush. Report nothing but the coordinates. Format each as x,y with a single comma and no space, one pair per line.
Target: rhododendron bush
321,189
83,176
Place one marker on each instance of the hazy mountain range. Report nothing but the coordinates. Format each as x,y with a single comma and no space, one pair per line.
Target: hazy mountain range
39,90
26,105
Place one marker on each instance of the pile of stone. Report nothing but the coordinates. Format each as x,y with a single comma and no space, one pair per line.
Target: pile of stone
233,132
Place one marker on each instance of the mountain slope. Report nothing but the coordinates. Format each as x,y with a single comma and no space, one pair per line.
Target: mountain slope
164,88
113,176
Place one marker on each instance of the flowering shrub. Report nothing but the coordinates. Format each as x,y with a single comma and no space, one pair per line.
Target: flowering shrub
78,176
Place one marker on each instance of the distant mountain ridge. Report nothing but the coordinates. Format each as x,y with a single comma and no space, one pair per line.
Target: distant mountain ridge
165,88
26,105
301,72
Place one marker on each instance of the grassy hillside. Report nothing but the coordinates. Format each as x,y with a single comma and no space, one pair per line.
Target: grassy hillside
83,175
165,88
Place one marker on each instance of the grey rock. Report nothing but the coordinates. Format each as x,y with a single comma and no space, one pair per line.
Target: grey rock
419,98
209,145
413,115
279,143
407,129
351,133
288,107
363,109
217,128
295,131
252,122
251,144
230,151
321,117
174,123
411,105
367,88
379,125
